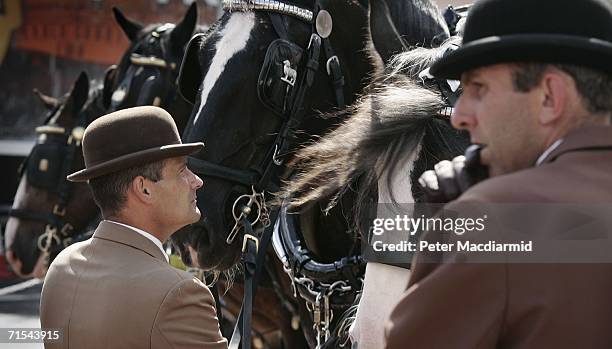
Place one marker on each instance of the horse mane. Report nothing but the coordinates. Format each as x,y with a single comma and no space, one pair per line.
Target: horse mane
385,125
418,19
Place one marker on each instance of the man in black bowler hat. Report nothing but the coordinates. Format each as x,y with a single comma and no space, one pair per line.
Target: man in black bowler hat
537,99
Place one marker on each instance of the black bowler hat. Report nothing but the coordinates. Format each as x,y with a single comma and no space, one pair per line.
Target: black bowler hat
130,137
550,31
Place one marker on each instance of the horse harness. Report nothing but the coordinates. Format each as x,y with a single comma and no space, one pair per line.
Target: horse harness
284,83
46,168
165,71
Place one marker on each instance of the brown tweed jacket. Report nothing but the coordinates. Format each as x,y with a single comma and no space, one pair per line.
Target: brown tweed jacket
507,305
116,290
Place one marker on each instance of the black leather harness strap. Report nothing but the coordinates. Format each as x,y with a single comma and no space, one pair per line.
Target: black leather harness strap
253,260
210,169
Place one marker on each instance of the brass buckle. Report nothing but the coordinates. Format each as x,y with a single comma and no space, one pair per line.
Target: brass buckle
59,211
248,237
66,229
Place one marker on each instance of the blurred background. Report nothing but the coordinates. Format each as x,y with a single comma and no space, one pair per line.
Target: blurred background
45,44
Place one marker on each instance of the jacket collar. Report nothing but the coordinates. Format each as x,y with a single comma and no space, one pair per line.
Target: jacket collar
583,139
126,236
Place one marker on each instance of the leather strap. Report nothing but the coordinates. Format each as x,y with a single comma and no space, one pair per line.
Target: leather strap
253,260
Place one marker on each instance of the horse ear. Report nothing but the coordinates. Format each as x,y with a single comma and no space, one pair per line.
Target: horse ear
385,37
183,30
49,102
190,75
109,85
130,28
419,22
77,97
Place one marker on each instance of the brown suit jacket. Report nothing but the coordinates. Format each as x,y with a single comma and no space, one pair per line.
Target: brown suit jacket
511,305
116,290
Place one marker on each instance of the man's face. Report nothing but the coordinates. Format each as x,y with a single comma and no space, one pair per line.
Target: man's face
501,118
175,194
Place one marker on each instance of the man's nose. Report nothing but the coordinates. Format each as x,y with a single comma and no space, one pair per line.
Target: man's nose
197,181
463,115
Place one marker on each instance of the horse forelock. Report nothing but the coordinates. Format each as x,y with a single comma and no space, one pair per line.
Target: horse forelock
232,39
420,22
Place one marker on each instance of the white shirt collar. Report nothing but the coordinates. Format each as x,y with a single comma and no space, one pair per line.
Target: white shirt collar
548,151
155,240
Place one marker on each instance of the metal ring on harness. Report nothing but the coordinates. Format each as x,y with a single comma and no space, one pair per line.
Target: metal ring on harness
245,210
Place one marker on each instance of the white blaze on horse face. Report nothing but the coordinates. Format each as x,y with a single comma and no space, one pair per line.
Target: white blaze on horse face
13,223
234,38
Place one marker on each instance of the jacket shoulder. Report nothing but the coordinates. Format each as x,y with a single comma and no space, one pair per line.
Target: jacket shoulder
187,317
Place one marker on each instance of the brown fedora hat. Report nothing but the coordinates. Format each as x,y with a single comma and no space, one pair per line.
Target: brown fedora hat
130,137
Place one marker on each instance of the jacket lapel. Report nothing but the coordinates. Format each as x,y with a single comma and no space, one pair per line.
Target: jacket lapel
590,138
123,235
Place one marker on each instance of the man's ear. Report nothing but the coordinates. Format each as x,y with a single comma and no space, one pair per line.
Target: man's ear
141,190
554,98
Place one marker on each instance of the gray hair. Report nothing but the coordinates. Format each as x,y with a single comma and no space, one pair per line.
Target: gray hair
594,87
109,191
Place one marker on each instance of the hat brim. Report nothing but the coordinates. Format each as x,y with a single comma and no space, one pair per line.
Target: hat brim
136,159
547,48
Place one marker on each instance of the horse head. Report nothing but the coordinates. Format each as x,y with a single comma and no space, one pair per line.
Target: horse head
48,211
400,129
147,72
246,76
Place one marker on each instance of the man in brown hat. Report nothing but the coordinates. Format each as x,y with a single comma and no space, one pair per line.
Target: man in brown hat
117,290
537,98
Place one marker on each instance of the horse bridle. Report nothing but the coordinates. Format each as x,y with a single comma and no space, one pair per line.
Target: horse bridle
167,68
265,176
262,177
51,141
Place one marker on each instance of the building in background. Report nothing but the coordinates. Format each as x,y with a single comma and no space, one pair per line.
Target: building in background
45,44
52,41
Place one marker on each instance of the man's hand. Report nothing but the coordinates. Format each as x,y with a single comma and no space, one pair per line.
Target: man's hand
449,179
